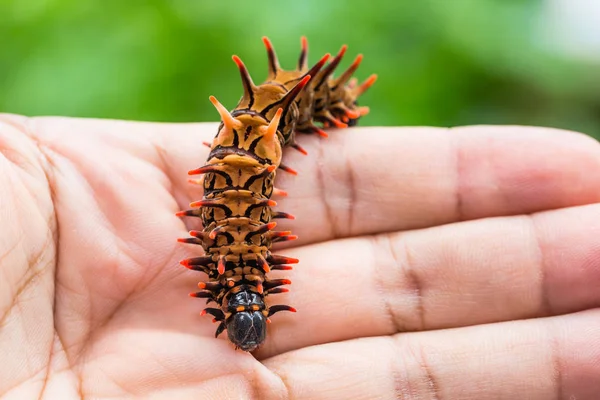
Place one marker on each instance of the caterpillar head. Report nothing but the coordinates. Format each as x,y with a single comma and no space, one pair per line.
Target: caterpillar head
247,326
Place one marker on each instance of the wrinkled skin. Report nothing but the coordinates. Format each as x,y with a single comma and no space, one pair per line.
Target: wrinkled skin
403,233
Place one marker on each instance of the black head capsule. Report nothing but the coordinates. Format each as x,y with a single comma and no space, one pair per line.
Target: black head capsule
246,329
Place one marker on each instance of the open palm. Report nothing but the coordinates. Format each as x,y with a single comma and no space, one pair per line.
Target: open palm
427,258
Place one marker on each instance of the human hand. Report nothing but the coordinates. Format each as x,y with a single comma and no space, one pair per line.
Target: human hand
459,264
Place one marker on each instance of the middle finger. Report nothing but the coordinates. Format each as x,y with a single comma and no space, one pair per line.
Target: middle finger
462,274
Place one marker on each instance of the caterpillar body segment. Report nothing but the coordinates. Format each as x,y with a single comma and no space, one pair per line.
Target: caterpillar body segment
237,210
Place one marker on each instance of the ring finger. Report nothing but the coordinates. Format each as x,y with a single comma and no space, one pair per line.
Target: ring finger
551,358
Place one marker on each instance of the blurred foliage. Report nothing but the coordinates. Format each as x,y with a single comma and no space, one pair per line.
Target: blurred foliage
440,62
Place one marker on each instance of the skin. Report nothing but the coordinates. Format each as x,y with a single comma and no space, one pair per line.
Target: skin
434,264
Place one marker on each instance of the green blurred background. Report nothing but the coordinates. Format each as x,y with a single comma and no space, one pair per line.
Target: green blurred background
440,62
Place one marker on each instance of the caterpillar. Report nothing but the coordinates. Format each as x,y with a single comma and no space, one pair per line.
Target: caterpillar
236,210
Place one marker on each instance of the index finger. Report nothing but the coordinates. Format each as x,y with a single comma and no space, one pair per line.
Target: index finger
372,180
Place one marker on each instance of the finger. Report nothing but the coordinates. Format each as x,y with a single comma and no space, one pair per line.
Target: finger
552,358
369,180
372,180
456,275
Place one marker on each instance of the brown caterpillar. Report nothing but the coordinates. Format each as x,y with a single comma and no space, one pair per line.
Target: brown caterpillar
236,210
